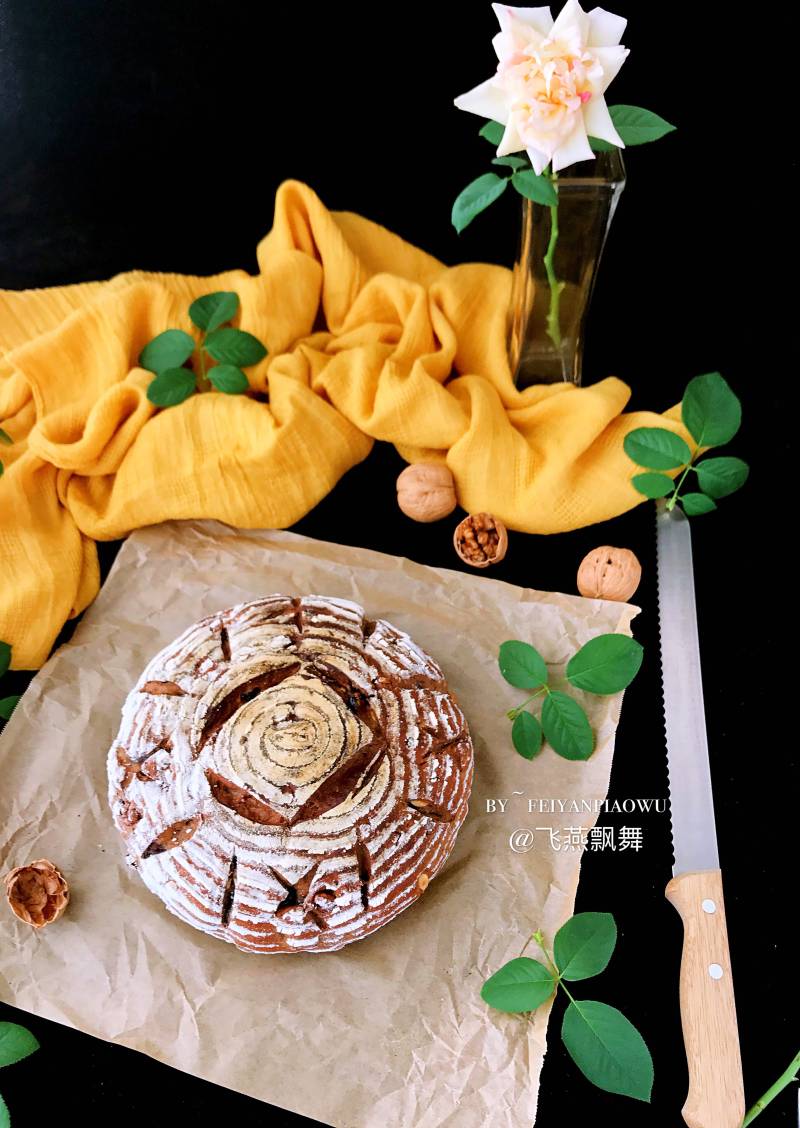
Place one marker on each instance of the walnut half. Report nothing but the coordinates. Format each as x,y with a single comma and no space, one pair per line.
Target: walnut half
37,893
481,540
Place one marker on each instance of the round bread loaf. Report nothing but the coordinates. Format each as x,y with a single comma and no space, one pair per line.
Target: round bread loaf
289,775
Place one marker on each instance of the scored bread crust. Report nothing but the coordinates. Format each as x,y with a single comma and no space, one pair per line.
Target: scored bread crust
289,774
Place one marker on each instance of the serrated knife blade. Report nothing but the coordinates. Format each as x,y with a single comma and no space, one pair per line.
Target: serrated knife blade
694,832
708,1009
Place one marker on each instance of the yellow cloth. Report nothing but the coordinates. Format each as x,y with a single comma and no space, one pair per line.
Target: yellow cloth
363,331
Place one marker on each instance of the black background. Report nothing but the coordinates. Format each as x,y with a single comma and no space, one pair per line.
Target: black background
154,135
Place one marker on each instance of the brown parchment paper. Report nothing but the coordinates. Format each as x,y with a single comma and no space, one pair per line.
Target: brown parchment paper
390,1032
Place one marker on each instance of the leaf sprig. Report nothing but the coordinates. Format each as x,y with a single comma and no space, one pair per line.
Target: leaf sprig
634,125
16,1043
606,1047
712,414
605,665
169,354
7,704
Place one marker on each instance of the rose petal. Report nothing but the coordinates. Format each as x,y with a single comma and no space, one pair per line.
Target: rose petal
575,148
511,141
598,123
485,100
611,59
538,18
605,29
571,19
538,159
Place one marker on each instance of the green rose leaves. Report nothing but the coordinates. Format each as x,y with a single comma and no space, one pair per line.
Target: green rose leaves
607,664
605,1046
16,1043
712,414
7,704
635,126
169,355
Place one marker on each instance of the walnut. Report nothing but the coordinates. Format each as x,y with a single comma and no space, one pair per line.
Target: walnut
37,893
426,491
481,540
609,573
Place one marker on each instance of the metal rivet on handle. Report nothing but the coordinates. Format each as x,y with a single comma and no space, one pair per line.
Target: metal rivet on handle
715,971
709,906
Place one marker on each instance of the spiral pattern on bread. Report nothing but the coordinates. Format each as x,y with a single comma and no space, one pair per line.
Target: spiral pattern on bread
289,774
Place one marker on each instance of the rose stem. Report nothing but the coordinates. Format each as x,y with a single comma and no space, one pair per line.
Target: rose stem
553,313
785,1078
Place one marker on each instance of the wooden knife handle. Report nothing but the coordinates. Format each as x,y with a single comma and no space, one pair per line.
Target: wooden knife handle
708,1009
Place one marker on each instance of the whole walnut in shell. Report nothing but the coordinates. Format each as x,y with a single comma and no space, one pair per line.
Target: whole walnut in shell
426,491
37,893
609,573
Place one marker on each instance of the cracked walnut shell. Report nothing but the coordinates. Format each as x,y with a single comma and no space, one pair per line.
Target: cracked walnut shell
481,540
426,491
609,573
37,893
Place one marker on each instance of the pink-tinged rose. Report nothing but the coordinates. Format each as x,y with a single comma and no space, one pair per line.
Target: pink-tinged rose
550,83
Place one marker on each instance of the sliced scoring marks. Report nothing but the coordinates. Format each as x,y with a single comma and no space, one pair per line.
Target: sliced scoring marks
364,862
231,702
430,809
343,782
174,835
242,801
225,643
229,893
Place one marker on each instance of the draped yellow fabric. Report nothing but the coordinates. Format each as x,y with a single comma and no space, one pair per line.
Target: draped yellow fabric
368,337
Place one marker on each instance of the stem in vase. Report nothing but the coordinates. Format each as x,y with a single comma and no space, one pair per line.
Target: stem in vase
553,313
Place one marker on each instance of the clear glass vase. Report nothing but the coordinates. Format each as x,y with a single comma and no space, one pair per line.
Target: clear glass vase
556,269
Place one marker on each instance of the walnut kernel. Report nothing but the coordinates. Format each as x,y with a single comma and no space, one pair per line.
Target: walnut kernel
426,491
481,540
609,573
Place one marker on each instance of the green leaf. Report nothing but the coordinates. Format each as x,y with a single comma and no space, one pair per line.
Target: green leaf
212,310
2,469
598,145
171,387
567,727
8,705
637,126
521,665
608,1049
228,378
5,657
234,346
584,945
16,1043
511,162
476,197
520,985
493,132
653,485
719,477
537,188
5,1118
605,664
695,504
526,735
5,437
170,349
711,411
656,448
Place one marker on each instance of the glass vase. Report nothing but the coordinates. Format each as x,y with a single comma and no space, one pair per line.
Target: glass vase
555,272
